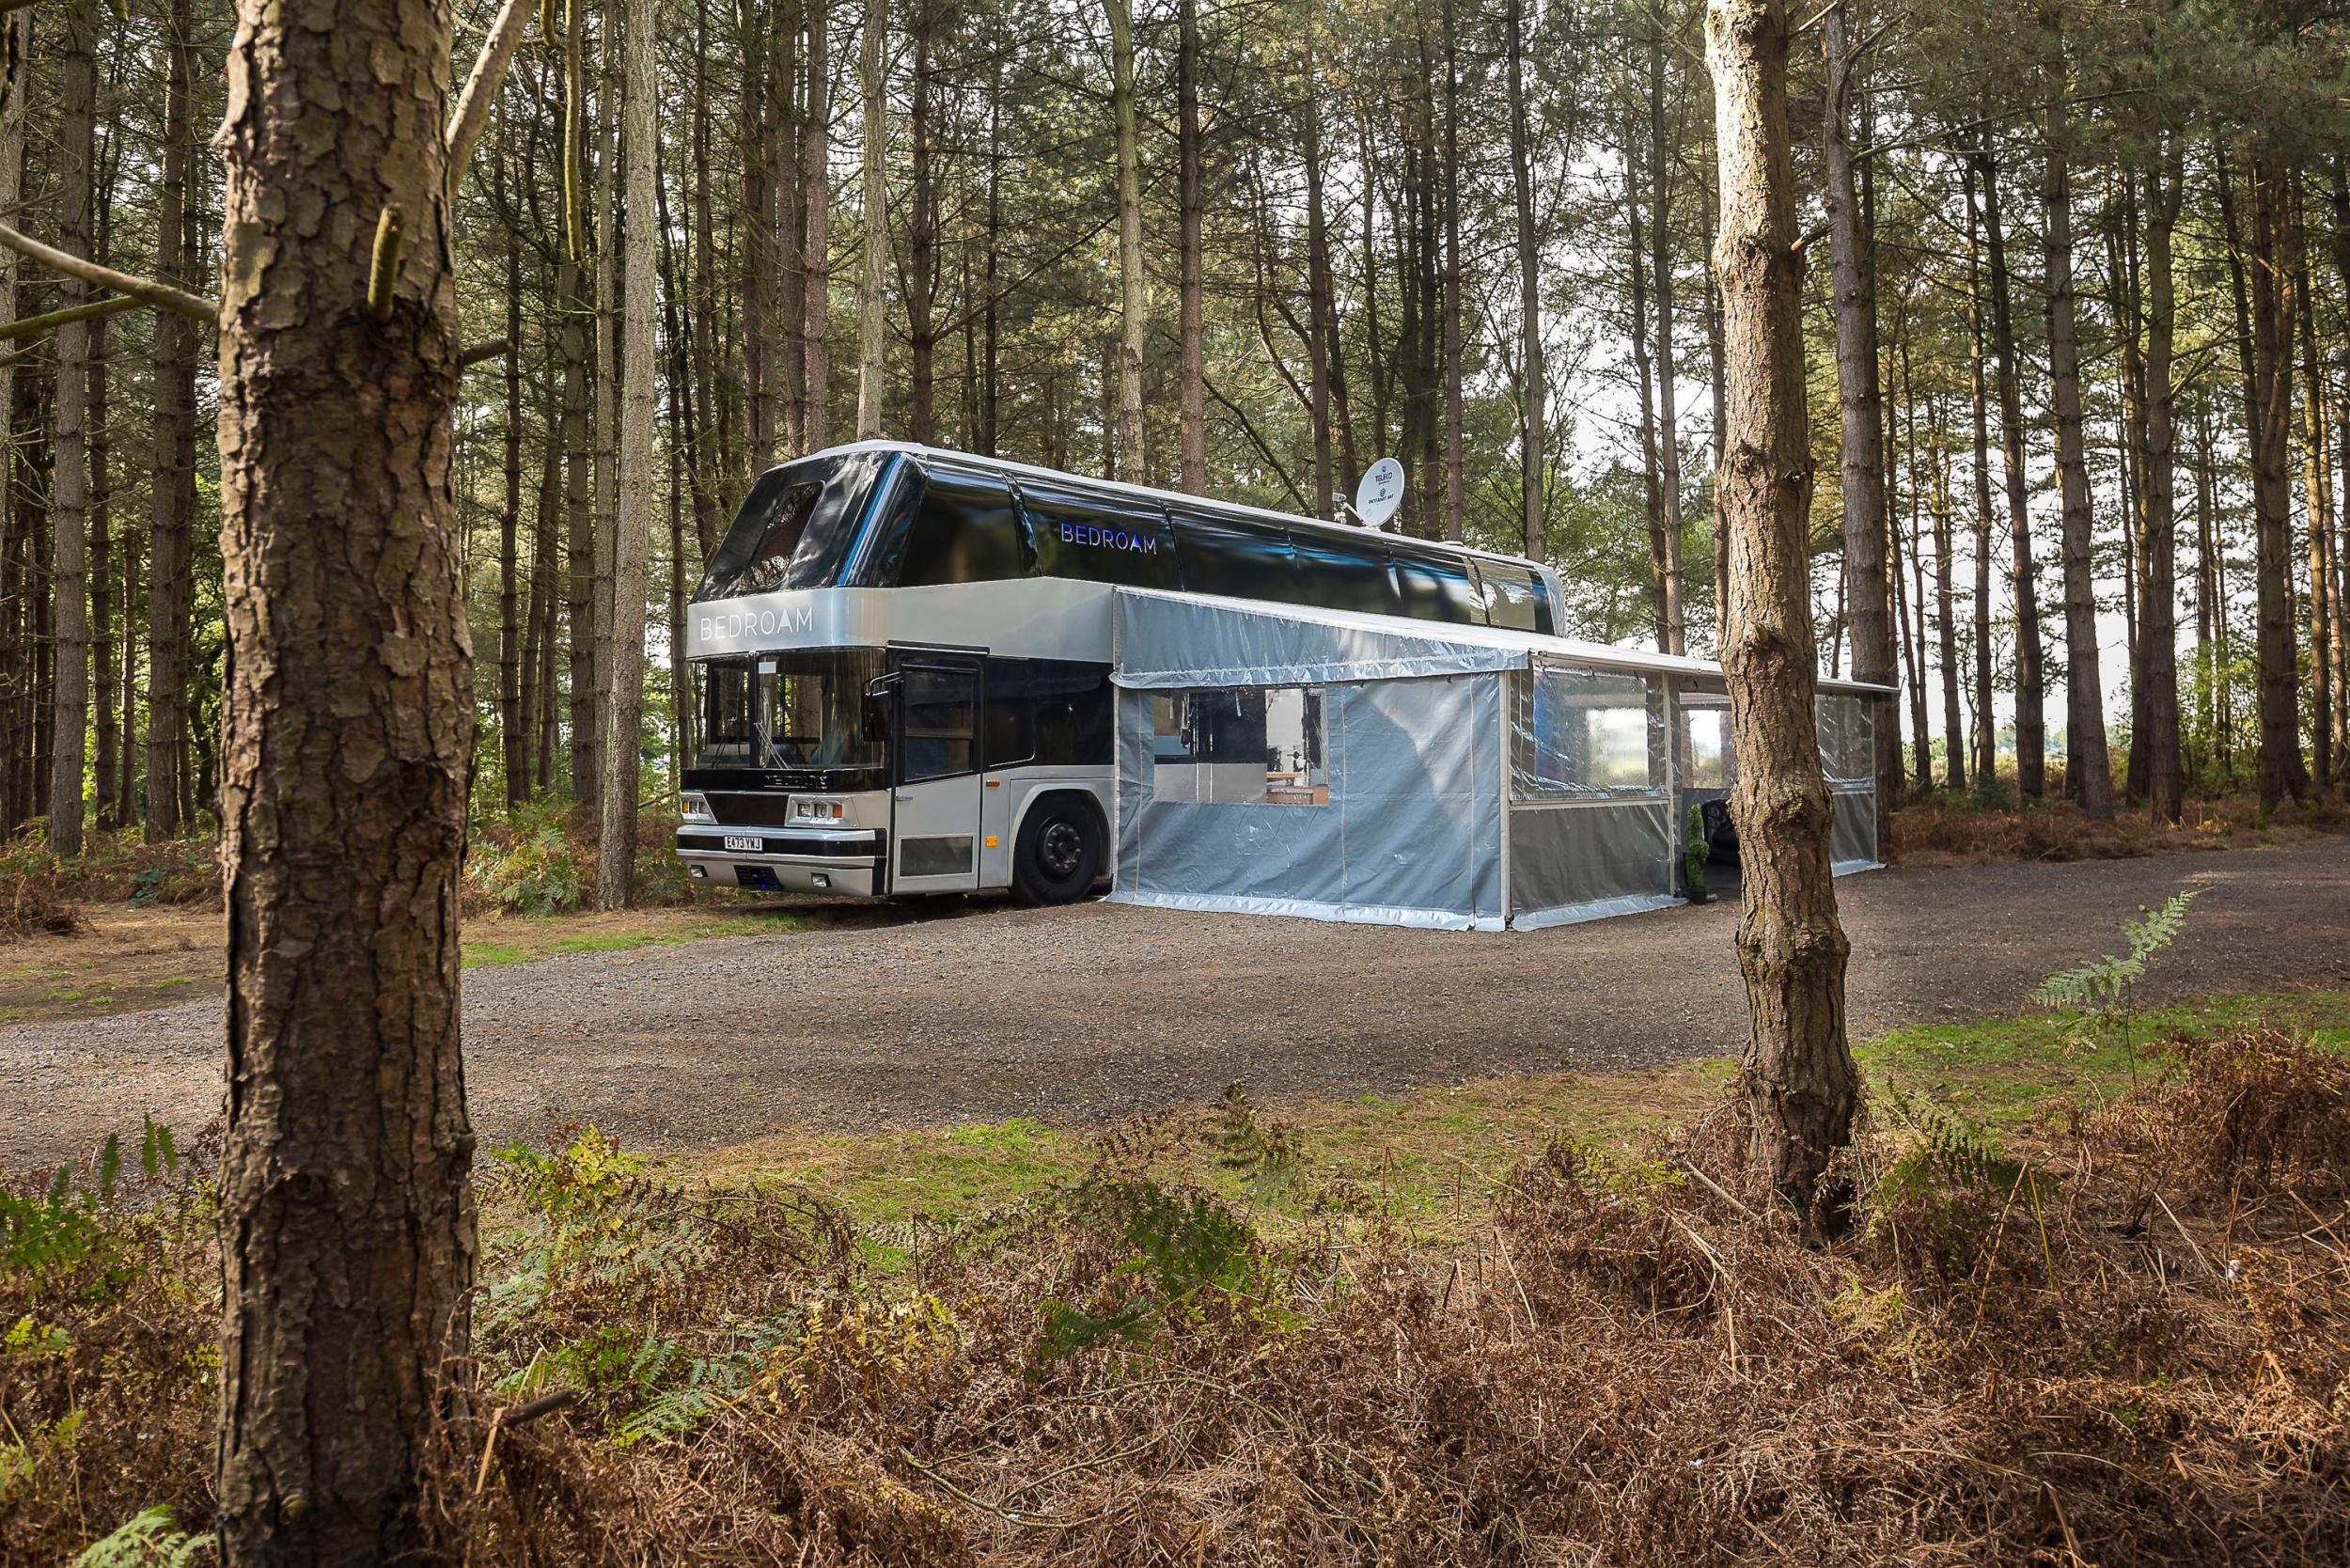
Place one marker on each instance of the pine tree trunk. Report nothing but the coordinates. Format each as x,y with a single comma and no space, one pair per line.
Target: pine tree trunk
615,857
2340,545
2088,773
16,41
69,497
606,507
102,557
347,1227
1861,405
173,442
873,286
545,585
578,311
2317,488
1127,445
1321,304
1663,581
1191,323
756,133
1797,1071
2128,308
2031,730
1533,462
1661,279
2283,771
816,156
1455,412
790,208
2158,633
922,264
513,730
1945,604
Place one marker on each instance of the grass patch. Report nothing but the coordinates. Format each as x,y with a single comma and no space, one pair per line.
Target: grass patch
519,939
1426,1162
2014,1069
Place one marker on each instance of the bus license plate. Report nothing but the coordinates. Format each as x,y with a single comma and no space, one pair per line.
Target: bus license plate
741,845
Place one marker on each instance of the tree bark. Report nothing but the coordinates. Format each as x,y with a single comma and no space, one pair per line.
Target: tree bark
1533,463
1128,443
816,229
1191,323
873,286
1664,563
16,41
578,311
1797,1073
606,505
102,556
1861,402
1661,280
2031,730
512,732
2282,773
172,454
615,854
1455,412
347,1228
2088,773
922,263
757,130
69,452
2159,633
1320,302
2317,489
2340,545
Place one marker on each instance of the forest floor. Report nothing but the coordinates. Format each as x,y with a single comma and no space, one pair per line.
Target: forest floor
861,1021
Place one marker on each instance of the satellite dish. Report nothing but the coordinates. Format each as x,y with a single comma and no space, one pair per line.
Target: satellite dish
1380,497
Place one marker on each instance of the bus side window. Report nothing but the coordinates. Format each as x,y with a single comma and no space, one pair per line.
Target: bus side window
1009,725
1437,587
1511,596
1099,538
1073,713
1341,574
1237,560
939,706
962,530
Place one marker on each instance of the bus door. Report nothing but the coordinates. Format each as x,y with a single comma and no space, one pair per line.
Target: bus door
935,808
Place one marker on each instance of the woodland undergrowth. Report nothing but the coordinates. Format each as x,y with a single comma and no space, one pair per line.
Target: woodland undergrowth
2125,1338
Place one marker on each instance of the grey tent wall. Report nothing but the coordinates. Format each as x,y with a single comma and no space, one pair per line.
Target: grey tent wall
1411,834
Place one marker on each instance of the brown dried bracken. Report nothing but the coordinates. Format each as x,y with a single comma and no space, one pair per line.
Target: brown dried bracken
2137,1350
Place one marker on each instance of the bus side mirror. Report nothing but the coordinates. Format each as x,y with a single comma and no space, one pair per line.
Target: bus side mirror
877,691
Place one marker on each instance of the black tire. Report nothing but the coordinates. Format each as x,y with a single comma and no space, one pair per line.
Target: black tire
1058,853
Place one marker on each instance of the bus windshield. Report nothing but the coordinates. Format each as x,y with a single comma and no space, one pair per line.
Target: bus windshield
796,710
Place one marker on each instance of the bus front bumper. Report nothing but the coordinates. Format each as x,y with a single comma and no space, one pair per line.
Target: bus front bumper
848,864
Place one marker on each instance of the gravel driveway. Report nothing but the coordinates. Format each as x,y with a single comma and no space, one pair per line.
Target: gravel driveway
1098,1012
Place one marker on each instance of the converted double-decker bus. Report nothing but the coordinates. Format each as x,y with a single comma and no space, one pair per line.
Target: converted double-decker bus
901,660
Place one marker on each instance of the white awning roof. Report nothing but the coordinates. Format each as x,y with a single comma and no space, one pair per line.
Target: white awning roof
1170,640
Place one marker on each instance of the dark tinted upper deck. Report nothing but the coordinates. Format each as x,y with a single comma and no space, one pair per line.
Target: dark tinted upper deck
881,516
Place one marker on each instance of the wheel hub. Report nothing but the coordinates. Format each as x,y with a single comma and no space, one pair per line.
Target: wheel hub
1058,847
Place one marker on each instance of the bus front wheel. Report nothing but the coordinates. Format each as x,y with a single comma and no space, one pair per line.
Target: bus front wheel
1058,853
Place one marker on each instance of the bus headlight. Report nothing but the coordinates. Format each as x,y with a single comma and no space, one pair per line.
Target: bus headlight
815,809
696,808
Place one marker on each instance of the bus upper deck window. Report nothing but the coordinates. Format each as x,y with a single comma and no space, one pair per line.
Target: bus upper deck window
963,529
